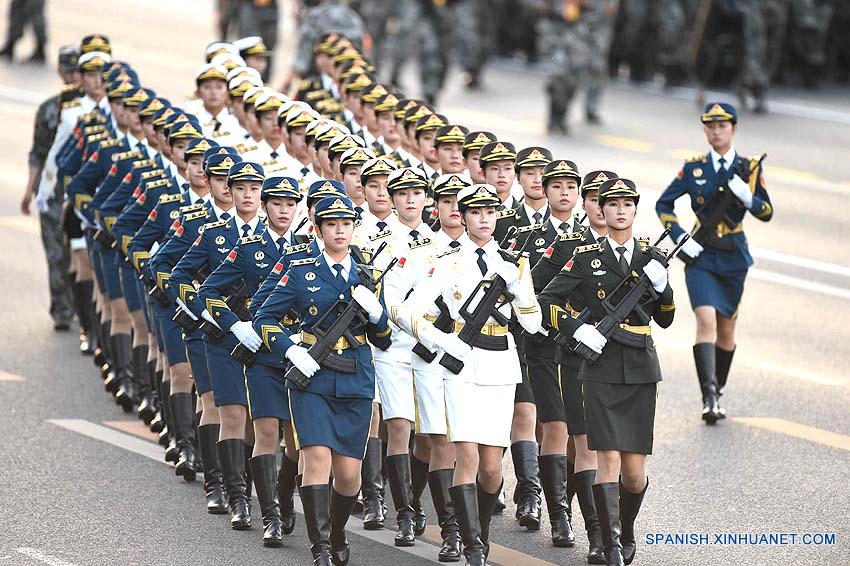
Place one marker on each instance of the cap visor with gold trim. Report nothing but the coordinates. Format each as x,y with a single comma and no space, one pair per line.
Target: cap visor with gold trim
377,166
617,188
246,171
477,196
477,140
534,156
221,163
451,133
450,184
324,188
594,179
497,151
280,187
718,112
406,178
560,168
334,207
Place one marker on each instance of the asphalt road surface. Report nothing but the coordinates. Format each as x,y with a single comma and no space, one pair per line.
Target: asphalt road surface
80,485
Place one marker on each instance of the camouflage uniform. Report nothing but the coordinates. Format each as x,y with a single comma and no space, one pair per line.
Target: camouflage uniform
434,28
55,247
259,17
565,54
21,14
808,26
674,36
333,15
469,17
597,17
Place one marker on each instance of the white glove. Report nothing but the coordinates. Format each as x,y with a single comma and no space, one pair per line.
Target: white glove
741,190
42,201
302,360
590,337
507,271
691,247
84,222
245,333
205,314
368,302
452,345
185,309
657,274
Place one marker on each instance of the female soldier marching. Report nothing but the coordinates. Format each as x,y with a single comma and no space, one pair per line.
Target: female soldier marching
620,387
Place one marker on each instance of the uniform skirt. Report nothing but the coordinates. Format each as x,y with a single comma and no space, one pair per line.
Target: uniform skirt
226,374
722,291
571,393
479,413
395,385
267,394
430,397
546,385
197,354
619,416
341,424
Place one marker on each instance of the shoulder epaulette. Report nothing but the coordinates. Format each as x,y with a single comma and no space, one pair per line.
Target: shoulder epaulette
220,133
289,250
158,183
419,243
529,228
242,148
508,212
195,215
643,239
380,235
106,144
189,208
218,224
254,238
569,236
155,174
71,103
508,255
449,252
305,261
588,248
125,155
169,198
142,163
695,158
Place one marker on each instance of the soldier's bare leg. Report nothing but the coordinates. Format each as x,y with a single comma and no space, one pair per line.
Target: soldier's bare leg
209,415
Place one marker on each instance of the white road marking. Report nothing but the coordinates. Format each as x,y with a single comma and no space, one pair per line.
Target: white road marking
150,450
796,282
801,262
36,554
802,374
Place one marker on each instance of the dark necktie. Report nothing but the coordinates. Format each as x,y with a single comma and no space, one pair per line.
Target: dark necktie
142,150
185,187
359,211
304,171
721,171
500,207
216,124
274,155
537,217
245,229
225,216
624,265
414,234
339,280
281,244
199,201
454,244
564,227
434,175
382,225
482,265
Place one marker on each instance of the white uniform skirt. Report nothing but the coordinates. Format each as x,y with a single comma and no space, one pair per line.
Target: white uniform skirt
395,386
430,396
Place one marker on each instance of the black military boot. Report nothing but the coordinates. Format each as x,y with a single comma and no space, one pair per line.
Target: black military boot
249,477
465,502
341,506
37,56
144,384
158,422
183,418
166,436
527,494
316,502
571,489
553,473
213,480
122,351
232,454
99,356
265,478
486,503
439,481
418,483
82,291
372,486
704,359
286,493
558,106
629,508
607,499
584,490
106,369
398,473
8,51
723,361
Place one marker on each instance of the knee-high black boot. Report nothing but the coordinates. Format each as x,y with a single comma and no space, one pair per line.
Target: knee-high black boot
584,491
265,478
82,291
316,502
439,482
629,508
527,494
122,351
607,499
372,486
144,384
418,483
341,506
704,359
398,473
213,480
183,418
286,483
232,453
486,504
723,361
465,501
553,473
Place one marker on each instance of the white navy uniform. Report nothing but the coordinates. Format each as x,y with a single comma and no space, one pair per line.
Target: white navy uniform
488,377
